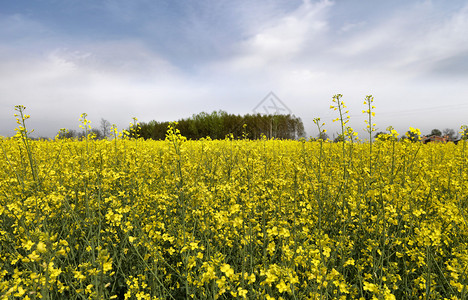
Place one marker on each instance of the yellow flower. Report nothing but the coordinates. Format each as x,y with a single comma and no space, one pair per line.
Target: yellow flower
221,282
78,275
283,287
88,288
242,293
209,273
107,266
20,292
193,245
349,262
28,245
41,247
370,287
226,269
252,278
270,277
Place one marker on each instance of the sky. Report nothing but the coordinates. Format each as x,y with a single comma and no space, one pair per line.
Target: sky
169,59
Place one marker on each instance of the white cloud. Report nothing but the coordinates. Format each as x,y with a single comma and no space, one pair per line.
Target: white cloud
116,81
409,41
305,58
347,27
283,38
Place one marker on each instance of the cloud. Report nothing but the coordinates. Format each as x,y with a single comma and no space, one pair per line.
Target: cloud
282,39
229,56
454,67
114,80
306,56
408,41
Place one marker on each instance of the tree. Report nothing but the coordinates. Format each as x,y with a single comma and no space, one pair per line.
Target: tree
452,135
105,128
436,132
67,134
97,133
323,136
218,124
338,139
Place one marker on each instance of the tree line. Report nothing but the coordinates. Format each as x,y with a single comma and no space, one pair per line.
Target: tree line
219,124
216,125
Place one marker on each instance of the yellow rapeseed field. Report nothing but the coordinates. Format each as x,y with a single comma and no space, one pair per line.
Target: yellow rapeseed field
232,219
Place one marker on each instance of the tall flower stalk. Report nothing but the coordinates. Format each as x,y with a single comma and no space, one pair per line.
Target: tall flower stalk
370,127
23,133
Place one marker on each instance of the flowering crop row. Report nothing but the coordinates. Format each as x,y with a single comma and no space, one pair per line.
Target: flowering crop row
224,219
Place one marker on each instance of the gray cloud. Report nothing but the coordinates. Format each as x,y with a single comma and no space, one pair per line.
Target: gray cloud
455,66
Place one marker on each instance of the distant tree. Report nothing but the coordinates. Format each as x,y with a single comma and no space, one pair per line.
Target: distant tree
105,128
338,139
323,135
450,133
436,132
80,135
67,134
218,124
94,132
97,133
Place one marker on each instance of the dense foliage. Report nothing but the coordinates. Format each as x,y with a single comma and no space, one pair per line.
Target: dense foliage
218,125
